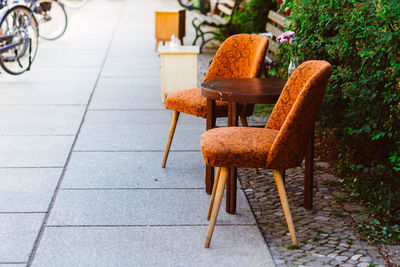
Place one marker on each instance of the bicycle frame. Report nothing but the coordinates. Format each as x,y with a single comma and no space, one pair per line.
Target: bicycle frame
9,46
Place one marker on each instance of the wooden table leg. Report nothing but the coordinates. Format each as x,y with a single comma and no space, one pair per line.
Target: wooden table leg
231,187
309,174
210,123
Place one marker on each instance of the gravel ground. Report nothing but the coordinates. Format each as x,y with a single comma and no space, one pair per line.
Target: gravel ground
326,234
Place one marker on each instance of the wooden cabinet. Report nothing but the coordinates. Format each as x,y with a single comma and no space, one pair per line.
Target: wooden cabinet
169,22
178,69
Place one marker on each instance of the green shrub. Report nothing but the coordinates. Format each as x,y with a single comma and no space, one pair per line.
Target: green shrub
382,196
252,16
361,39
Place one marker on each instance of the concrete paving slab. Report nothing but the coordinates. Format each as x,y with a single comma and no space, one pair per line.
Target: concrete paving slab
138,137
133,68
111,72
152,246
27,190
18,233
142,207
88,79
138,130
132,81
49,94
134,170
146,116
137,35
40,120
34,151
40,75
73,60
125,48
54,71
121,62
125,97
80,43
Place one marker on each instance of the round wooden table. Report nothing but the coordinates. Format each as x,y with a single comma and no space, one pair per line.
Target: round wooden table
250,91
246,91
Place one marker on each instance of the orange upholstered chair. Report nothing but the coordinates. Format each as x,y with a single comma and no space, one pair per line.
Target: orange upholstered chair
240,56
280,145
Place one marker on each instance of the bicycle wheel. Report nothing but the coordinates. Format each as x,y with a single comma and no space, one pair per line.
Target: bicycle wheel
19,50
52,18
74,3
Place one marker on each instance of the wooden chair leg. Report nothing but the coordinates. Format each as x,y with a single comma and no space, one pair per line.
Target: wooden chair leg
283,173
170,137
243,120
218,198
213,193
256,171
285,205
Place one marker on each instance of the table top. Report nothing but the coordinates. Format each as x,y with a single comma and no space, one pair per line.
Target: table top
251,90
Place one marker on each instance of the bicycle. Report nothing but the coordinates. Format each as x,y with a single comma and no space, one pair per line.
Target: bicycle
51,16
74,3
19,31
19,35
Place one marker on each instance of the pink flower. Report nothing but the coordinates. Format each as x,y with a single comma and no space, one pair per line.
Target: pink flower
286,37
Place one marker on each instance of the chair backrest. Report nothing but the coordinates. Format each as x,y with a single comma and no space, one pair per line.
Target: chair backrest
239,56
295,113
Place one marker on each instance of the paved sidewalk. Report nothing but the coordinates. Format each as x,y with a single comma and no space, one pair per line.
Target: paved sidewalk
82,139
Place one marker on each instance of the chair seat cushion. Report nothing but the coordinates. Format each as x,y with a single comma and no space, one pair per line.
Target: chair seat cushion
190,101
237,146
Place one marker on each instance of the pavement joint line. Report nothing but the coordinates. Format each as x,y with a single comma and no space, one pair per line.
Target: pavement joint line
31,82
34,167
130,76
13,262
51,205
110,87
43,105
22,212
127,76
129,151
37,135
143,225
127,109
129,188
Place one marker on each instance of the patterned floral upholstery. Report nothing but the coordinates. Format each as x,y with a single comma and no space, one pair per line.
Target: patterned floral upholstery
286,133
191,102
240,56
237,146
